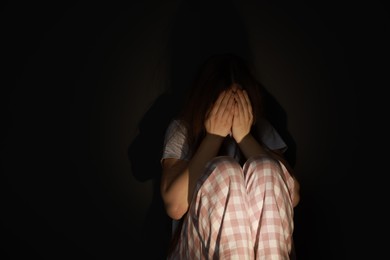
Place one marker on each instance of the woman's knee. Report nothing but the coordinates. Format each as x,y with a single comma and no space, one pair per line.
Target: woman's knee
221,170
262,160
224,163
262,165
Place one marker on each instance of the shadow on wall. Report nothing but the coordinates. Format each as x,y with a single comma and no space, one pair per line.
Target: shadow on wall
196,34
145,154
277,116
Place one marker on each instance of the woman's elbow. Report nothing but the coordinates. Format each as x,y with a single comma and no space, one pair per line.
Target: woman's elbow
296,200
296,197
173,207
175,212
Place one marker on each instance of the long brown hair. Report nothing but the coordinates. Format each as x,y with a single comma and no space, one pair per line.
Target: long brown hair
216,74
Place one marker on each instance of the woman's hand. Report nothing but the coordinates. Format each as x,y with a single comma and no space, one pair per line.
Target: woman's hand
220,118
243,115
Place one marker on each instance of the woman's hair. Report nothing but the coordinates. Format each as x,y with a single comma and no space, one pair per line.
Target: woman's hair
217,73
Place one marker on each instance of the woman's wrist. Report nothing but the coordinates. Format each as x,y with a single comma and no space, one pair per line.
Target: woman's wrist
240,138
214,138
250,146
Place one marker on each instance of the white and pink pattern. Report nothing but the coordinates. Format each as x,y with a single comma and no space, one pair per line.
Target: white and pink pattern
239,212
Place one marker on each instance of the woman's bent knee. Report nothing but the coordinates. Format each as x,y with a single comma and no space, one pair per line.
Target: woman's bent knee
260,162
224,167
224,163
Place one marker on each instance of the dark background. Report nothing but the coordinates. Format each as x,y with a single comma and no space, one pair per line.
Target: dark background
88,89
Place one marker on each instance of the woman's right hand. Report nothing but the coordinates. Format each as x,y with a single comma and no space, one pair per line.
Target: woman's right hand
219,120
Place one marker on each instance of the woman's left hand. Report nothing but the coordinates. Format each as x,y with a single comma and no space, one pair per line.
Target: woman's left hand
243,115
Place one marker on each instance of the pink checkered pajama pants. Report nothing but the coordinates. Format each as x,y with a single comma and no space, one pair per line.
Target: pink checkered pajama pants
239,212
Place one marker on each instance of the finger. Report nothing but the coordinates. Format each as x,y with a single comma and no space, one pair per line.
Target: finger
240,102
248,102
250,108
236,110
218,102
224,103
229,109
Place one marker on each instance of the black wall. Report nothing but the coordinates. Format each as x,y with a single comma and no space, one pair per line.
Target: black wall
88,89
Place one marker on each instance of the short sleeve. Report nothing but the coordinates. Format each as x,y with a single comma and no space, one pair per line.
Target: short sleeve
175,145
270,137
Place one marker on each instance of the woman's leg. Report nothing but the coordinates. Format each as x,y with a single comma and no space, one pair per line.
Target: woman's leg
217,224
269,187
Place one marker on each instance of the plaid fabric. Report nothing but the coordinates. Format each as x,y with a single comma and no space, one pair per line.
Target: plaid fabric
239,212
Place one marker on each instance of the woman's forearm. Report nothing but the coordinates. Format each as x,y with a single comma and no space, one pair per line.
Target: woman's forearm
179,180
251,147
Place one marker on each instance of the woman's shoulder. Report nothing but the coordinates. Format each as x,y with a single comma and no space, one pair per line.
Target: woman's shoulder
175,125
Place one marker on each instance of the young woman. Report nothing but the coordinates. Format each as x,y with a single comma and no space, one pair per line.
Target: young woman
224,177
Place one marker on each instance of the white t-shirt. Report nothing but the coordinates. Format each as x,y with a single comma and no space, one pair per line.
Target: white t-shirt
175,145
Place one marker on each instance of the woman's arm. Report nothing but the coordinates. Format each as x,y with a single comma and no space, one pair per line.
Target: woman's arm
249,146
179,177
242,124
